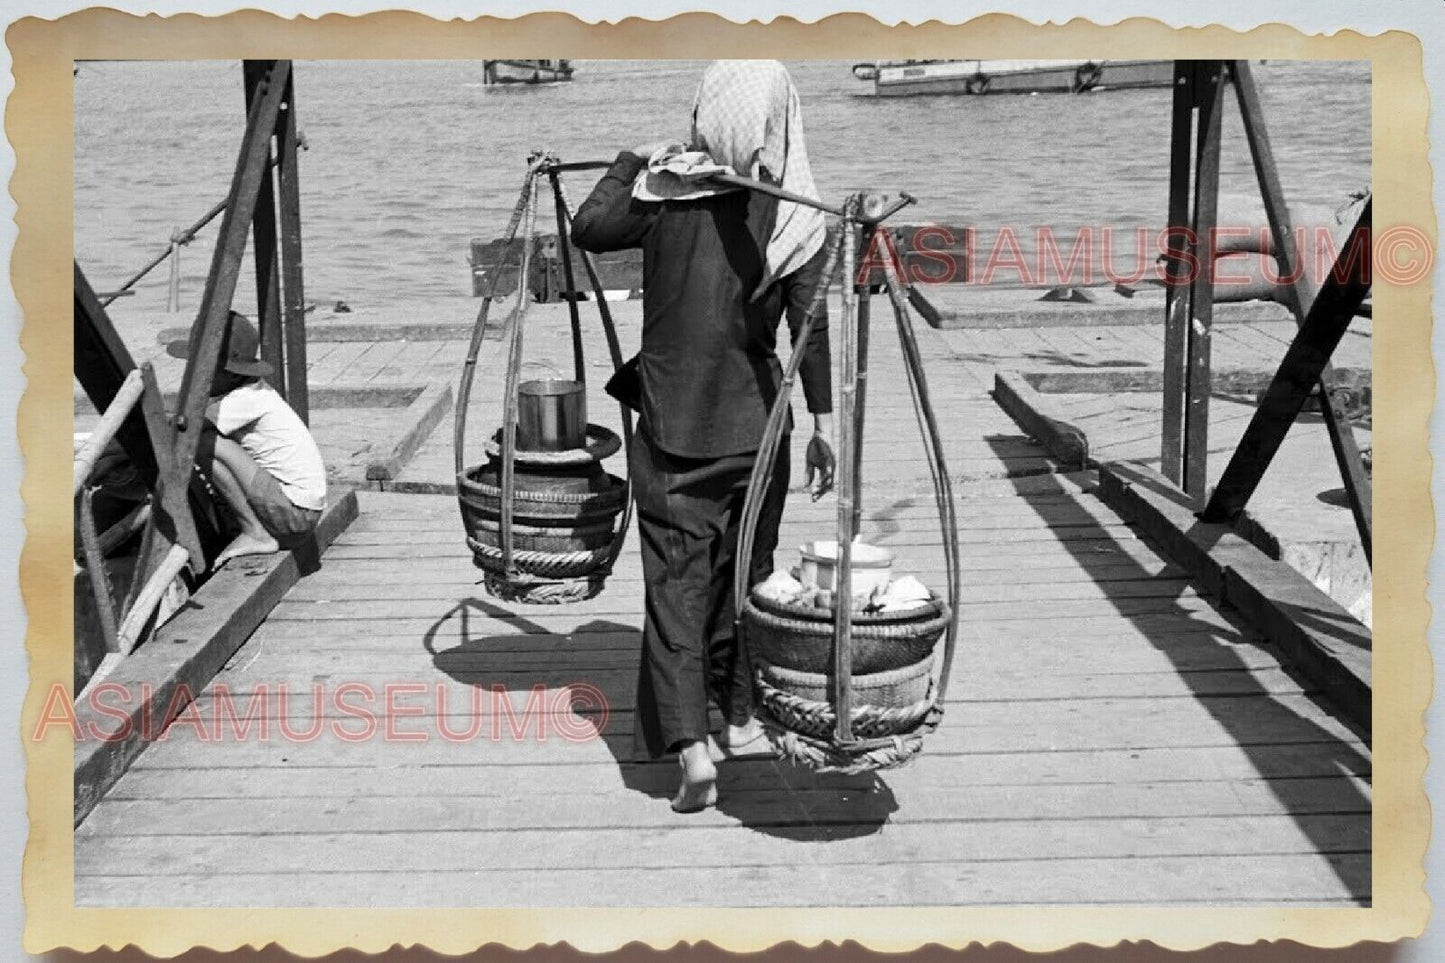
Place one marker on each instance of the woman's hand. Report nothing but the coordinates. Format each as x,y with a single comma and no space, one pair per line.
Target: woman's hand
820,458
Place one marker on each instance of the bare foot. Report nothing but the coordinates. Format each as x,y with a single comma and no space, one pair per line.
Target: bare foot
747,741
246,545
699,780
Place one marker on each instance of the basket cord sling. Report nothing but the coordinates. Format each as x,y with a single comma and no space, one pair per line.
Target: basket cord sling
867,737
518,574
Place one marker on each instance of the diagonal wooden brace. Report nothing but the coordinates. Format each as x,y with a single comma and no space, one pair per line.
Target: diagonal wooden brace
1329,317
1302,294
209,332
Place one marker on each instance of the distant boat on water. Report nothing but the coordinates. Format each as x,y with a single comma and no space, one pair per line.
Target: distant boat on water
904,78
525,71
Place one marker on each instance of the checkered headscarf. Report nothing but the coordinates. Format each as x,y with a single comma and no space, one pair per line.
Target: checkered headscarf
746,117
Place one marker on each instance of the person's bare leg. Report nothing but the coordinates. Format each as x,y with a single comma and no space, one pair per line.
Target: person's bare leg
231,470
699,778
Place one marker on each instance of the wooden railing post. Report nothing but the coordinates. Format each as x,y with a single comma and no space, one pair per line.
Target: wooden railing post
264,250
1176,304
1188,313
288,178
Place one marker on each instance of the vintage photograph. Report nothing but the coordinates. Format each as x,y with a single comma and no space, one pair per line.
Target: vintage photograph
735,483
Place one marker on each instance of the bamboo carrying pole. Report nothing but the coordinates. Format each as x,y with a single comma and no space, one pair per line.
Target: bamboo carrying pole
509,397
855,753
110,422
849,440
524,217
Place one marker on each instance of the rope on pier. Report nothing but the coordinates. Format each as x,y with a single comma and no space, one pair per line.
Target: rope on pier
178,239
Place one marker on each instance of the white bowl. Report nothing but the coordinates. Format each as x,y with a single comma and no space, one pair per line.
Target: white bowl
872,566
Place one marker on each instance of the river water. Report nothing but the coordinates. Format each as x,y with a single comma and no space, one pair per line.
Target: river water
408,160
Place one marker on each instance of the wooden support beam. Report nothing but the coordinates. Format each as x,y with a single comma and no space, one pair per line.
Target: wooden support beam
1176,305
1209,91
1329,318
264,251
102,365
209,331
1302,290
169,508
288,177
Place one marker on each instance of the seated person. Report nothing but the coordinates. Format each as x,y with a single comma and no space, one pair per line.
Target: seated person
257,452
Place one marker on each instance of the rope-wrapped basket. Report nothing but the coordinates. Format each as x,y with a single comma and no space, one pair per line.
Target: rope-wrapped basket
800,637
545,527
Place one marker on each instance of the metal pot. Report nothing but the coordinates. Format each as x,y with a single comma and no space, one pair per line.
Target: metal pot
551,415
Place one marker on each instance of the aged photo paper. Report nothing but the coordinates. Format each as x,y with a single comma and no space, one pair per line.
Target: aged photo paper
424,396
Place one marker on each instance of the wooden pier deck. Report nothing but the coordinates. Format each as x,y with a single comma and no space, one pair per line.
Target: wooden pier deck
1112,736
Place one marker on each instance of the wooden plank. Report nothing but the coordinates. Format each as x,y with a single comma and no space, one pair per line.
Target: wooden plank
1244,880
634,831
186,653
459,573
456,675
1046,726
322,612
361,630
999,591
1303,766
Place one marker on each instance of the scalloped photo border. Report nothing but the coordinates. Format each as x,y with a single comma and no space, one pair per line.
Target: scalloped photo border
38,121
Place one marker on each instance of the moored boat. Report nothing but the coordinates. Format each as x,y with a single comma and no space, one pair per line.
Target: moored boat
525,71
903,78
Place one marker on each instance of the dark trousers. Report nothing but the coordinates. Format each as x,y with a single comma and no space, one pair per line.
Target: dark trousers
688,514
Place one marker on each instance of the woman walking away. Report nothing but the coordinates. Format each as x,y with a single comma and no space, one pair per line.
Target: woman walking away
720,268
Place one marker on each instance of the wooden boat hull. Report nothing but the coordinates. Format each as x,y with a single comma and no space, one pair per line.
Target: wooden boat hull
1015,77
526,71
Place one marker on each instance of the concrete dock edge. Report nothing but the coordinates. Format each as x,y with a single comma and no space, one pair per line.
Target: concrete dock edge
418,422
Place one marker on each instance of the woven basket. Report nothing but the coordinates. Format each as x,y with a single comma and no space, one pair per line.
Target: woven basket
801,638
547,539
540,507
884,703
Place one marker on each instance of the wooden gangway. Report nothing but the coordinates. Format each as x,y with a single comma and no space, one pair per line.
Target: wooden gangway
1113,734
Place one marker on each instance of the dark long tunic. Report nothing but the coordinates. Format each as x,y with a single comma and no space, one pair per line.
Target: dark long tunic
709,366
709,374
